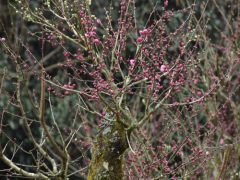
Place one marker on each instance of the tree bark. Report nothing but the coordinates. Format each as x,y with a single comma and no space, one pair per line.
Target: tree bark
109,147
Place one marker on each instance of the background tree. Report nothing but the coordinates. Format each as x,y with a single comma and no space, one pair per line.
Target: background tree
145,96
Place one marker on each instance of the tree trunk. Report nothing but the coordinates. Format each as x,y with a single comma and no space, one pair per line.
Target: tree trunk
109,146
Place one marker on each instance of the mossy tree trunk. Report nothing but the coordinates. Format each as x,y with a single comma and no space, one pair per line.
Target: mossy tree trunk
109,147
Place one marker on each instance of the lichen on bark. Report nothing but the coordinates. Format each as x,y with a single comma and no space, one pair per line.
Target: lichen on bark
109,147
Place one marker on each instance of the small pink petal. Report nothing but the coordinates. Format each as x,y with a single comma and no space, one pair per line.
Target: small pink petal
86,35
132,62
199,93
151,117
163,68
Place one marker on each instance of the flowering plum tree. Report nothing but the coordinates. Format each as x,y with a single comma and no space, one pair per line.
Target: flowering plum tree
162,95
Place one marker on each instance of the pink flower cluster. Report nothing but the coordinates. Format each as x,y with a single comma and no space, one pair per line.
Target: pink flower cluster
91,34
144,32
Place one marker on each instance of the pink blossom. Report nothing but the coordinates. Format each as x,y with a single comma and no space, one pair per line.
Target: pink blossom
86,35
207,153
139,39
145,31
3,39
66,54
141,32
98,21
221,141
92,34
65,86
132,62
54,37
151,117
96,41
111,91
163,68
199,93
67,93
